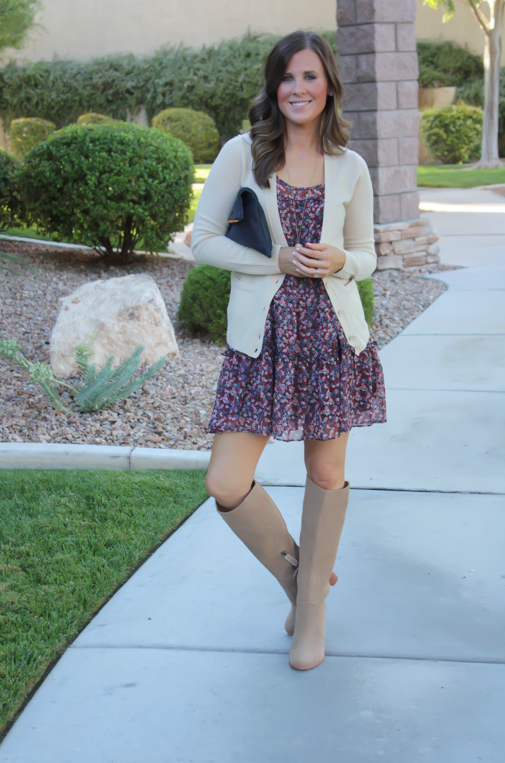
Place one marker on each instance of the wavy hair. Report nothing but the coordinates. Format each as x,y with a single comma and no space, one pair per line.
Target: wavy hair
267,120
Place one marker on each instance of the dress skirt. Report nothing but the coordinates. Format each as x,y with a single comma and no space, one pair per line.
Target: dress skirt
307,383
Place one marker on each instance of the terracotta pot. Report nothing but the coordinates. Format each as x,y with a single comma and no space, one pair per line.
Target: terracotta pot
436,97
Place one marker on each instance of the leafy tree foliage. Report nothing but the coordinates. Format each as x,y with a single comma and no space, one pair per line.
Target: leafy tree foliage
17,17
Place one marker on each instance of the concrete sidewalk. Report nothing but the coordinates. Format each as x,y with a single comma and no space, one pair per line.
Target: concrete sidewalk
188,661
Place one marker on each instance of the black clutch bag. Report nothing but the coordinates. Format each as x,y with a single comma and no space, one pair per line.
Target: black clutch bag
248,224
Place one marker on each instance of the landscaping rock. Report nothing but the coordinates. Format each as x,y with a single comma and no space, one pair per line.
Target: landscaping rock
114,317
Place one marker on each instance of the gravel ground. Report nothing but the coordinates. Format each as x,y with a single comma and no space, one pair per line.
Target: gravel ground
172,410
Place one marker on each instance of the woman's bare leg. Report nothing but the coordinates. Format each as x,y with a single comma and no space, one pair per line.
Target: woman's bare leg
233,462
325,461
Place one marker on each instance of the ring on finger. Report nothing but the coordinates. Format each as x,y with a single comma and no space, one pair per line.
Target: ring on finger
316,273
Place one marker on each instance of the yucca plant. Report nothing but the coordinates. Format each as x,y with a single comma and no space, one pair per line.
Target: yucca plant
98,389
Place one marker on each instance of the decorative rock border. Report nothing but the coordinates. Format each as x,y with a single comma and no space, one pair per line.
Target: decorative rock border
20,455
405,244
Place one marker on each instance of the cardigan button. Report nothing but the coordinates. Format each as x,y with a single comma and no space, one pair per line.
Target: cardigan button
352,338
340,312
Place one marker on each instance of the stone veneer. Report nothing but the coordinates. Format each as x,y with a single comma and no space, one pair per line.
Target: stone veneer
376,44
405,244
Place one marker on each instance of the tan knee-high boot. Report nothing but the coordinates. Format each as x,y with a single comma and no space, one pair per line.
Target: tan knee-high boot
261,527
322,522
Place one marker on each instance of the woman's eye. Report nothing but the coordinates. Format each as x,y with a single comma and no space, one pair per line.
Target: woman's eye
286,77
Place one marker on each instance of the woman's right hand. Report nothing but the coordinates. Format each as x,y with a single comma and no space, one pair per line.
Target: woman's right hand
287,262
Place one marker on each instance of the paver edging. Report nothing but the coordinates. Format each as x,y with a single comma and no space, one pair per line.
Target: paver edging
20,455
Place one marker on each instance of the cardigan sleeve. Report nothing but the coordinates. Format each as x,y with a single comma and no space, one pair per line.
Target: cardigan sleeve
359,246
208,241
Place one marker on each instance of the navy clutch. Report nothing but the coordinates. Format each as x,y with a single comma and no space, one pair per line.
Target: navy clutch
248,224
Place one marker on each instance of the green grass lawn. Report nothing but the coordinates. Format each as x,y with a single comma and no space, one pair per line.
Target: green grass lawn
68,539
457,176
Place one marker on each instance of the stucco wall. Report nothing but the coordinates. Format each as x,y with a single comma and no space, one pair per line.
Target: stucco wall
85,28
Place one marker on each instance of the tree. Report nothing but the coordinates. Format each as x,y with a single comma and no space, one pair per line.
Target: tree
17,17
492,28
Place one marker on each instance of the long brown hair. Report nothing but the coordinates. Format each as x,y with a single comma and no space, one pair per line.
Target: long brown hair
267,120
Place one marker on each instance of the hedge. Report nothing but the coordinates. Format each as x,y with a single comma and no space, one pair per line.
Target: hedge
108,186
205,296
220,80
445,64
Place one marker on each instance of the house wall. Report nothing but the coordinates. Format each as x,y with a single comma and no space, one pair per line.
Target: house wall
85,28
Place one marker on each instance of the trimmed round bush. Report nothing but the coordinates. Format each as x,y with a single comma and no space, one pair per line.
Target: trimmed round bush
204,301
108,186
25,134
195,128
9,195
206,293
92,118
454,133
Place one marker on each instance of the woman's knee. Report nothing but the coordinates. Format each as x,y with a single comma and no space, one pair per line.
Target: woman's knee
328,476
227,492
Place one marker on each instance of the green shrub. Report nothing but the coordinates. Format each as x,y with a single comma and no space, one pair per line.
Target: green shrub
472,92
204,301
25,134
195,128
9,195
206,293
453,133
220,80
92,118
108,186
445,64
365,289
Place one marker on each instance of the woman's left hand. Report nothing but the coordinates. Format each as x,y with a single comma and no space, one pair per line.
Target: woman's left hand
318,260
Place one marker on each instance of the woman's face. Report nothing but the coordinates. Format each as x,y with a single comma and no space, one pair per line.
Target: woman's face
304,88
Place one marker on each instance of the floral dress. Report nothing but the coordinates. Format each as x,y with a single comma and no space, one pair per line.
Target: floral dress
307,383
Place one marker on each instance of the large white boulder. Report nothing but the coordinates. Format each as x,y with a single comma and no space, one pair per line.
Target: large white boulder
113,317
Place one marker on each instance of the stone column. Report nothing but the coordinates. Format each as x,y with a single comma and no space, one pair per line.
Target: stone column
378,62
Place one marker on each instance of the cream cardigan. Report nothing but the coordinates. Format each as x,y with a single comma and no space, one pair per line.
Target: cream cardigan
347,224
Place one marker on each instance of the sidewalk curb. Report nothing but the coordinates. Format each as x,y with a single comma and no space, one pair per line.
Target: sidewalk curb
20,455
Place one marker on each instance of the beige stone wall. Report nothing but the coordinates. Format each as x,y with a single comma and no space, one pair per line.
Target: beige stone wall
462,28
85,28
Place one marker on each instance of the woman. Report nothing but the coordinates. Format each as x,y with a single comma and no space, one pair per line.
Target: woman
299,365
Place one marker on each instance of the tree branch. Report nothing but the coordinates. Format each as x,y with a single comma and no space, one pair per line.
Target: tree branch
482,20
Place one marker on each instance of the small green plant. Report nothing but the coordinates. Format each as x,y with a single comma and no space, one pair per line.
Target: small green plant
108,186
204,301
453,133
195,128
92,118
9,194
25,134
98,389
206,293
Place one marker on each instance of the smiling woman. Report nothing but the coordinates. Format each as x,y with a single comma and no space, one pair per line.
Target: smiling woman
299,365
